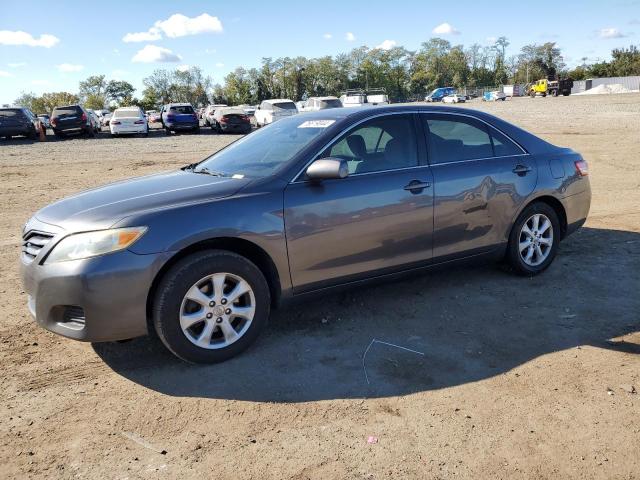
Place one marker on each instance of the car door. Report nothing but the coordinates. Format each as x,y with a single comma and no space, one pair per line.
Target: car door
379,219
481,178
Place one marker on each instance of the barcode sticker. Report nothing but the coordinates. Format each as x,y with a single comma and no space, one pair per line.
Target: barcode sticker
316,124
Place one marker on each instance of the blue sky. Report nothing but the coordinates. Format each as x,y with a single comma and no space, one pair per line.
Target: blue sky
64,42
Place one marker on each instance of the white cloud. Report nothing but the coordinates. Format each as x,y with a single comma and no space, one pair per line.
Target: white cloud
17,65
179,25
153,53
40,82
387,45
149,36
69,67
4,74
445,29
350,37
219,64
183,68
610,33
8,37
327,36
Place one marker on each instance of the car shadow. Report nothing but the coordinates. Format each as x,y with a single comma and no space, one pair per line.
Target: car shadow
455,326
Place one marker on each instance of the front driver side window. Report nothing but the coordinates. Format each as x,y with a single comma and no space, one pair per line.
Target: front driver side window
384,143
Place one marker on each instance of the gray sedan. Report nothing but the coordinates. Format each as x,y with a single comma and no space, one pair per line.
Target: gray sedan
310,204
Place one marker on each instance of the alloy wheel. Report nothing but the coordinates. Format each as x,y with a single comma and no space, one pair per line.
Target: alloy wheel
217,310
536,239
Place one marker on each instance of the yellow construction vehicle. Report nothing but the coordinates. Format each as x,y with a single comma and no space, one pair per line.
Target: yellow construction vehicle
546,87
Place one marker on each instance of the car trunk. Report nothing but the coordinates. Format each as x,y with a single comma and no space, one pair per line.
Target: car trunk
68,118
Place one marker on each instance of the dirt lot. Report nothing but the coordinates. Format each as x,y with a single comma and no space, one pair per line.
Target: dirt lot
520,378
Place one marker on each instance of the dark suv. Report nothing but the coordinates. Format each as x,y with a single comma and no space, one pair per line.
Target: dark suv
18,121
71,119
179,117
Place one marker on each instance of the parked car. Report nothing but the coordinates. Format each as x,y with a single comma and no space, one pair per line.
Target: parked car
179,117
95,120
313,203
313,104
18,121
494,96
364,98
106,118
454,98
71,119
439,93
153,116
128,121
209,112
271,111
231,119
44,119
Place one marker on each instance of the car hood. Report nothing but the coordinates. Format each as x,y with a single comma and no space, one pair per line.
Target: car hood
104,206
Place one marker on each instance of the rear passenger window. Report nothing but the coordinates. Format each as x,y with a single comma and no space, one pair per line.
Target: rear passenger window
452,139
503,146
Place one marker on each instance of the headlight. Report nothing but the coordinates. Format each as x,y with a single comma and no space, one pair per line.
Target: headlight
91,244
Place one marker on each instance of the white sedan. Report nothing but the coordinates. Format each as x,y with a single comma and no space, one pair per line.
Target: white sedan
128,120
454,98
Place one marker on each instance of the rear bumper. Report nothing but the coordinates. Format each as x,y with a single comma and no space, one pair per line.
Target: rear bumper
243,127
577,209
109,291
181,126
124,129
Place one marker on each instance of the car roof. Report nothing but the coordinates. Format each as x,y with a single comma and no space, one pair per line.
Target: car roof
179,105
278,100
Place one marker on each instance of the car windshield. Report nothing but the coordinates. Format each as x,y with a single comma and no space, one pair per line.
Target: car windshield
330,103
285,106
129,113
265,151
182,109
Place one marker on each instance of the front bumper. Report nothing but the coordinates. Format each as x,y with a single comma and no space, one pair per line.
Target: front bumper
110,291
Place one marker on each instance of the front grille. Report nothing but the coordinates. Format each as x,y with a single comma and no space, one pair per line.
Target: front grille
32,242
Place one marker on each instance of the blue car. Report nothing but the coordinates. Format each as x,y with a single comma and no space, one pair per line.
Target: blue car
439,93
179,117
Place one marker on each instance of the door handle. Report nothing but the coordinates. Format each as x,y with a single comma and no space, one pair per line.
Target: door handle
521,170
416,186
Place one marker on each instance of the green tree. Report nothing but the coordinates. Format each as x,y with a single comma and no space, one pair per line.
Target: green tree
119,92
92,91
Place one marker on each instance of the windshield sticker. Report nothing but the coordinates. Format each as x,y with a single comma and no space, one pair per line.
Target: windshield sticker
316,124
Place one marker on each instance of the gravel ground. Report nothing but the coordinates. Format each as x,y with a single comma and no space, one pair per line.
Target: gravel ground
520,378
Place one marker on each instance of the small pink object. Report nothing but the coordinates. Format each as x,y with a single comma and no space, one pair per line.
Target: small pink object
372,439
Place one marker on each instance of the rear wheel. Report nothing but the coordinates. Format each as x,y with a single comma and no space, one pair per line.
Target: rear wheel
211,306
167,131
196,130
534,239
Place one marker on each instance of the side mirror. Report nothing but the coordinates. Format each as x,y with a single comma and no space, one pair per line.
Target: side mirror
327,169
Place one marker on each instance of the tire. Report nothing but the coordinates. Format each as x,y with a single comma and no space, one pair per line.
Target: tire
58,134
196,130
167,131
32,134
187,275
519,237
90,133
218,128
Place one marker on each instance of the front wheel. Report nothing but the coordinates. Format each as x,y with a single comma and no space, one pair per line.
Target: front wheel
210,306
534,239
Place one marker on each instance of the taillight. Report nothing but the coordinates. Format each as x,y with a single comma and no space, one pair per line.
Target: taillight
245,118
195,116
54,121
84,117
223,120
582,167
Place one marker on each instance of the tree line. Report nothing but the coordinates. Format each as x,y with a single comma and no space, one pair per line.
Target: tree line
404,74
